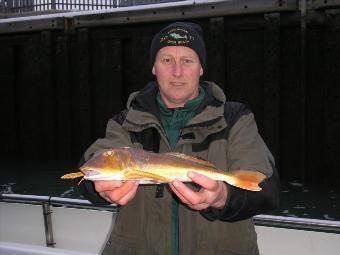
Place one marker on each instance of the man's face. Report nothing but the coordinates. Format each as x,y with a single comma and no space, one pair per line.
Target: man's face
178,70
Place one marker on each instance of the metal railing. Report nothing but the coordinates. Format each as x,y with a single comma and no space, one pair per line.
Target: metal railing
261,220
329,226
55,201
18,6
15,6
124,3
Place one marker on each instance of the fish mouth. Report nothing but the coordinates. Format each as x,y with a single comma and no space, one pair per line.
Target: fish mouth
94,175
89,173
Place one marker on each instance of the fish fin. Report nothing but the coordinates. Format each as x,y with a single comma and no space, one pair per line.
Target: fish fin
191,158
140,175
245,179
72,175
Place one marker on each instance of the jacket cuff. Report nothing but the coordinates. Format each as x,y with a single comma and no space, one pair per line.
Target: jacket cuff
234,203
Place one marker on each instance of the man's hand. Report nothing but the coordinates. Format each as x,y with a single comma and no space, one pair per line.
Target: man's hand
116,191
213,193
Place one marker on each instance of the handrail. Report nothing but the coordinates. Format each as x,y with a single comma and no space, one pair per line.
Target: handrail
55,201
298,223
262,220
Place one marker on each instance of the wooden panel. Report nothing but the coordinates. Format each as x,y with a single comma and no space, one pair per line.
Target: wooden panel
315,100
81,93
214,40
245,74
47,98
291,106
8,109
137,71
64,114
332,99
107,82
29,101
271,83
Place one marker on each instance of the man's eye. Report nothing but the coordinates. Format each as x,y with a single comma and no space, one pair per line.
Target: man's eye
166,60
187,61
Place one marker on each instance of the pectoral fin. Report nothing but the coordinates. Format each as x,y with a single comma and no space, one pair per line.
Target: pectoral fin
140,175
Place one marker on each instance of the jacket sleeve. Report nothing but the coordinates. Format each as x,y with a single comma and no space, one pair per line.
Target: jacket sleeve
246,150
115,137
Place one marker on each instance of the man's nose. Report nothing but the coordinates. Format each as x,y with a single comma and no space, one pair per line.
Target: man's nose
177,69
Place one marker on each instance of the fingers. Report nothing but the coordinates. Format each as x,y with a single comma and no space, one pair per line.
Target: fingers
117,192
178,194
204,181
127,197
189,197
213,193
186,194
101,186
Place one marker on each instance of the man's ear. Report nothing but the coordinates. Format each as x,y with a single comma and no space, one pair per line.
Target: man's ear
201,71
153,70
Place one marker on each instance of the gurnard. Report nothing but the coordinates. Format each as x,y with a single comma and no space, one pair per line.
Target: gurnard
122,164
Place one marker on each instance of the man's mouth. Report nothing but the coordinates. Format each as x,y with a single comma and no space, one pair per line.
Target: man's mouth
175,83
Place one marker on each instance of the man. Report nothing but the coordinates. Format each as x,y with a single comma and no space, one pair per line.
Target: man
178,112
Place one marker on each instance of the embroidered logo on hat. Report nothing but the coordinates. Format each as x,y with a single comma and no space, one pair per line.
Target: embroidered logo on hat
177,37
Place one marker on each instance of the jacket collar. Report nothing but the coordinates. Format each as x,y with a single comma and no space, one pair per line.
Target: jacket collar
144,112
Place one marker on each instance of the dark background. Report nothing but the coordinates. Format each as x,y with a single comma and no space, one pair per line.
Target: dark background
58,88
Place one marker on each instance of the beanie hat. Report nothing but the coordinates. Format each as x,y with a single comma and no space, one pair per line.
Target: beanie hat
185,34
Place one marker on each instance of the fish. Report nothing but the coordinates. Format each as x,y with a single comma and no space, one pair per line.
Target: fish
126,163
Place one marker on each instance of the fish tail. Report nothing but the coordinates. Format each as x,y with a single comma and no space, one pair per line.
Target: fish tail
244,179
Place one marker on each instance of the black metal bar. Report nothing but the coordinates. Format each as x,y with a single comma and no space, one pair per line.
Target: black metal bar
46,206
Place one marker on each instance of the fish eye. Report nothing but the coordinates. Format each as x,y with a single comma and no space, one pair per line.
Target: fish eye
108,153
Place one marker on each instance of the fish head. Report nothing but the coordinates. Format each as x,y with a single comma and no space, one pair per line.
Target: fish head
106,165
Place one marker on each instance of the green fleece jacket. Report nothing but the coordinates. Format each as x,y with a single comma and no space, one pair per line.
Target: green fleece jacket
173,120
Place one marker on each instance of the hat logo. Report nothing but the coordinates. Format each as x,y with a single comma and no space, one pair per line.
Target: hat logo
178,36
